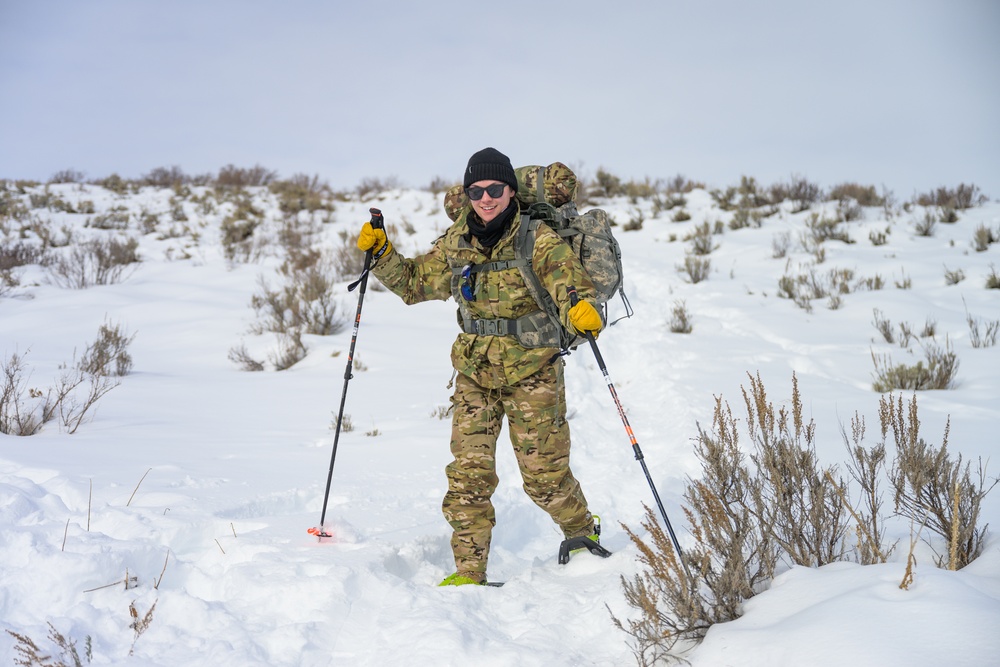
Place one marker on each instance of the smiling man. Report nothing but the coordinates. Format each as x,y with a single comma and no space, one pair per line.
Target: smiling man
499,373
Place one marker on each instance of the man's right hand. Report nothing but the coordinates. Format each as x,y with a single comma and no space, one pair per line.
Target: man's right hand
373,239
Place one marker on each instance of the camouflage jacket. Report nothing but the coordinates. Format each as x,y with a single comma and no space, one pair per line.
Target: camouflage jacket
491,361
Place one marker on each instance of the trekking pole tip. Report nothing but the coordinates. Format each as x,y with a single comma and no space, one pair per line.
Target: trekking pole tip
319,532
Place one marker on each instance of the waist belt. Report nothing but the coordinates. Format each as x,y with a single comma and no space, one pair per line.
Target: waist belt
498,327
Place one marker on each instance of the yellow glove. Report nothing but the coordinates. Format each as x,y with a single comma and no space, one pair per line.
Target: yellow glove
373,239
584,317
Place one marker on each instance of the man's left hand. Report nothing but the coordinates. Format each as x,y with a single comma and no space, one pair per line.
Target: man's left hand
585,318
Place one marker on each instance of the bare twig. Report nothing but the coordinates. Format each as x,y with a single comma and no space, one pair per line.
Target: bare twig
157,584
233,527
113,583
90,502
137,488
911,559
65,533
220,546
955,528
139,625
861,524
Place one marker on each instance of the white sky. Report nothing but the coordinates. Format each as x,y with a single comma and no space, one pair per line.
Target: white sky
895,92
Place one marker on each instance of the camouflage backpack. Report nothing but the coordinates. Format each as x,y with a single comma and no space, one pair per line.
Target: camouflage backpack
546,195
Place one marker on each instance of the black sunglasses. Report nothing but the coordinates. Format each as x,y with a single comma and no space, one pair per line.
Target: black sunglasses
495,190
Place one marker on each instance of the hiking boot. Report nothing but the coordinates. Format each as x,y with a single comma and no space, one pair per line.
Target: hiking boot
591,543
463,578
595,536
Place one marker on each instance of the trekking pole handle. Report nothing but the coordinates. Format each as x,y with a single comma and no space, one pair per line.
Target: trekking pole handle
574,299
377,221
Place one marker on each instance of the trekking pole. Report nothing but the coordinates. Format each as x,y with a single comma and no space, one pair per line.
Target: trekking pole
377,222
574,298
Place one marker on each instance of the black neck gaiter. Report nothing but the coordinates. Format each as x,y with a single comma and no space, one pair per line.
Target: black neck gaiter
490,233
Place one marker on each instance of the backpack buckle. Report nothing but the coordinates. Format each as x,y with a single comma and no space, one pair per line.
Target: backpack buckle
491,327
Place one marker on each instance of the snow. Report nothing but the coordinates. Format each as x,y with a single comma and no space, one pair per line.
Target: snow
200,480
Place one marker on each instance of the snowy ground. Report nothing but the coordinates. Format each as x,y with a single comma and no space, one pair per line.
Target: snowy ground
200,480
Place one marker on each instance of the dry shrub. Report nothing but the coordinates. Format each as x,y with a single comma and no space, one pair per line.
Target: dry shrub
750,513
29,654
238,229
14,255
801,508
672,612
291,350
10,280
302,193
667,202
11,208
303,302
117,219
373,186
750,194
932,487
114,183
347,259
68,176
953,277
682,184
822,229
701,240
605,184
745,519
101,261
440,184
680,318
867,467
695,268
166,177
644,189
937,373
108,355
780,243
863,195
962,197
724,199
232,177
993,278
800,191
241,356
984,237
806,287
25,408
985,338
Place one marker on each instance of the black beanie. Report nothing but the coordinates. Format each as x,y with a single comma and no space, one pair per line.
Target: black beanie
490,164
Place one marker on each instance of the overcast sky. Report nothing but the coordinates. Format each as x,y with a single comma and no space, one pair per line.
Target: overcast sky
901,93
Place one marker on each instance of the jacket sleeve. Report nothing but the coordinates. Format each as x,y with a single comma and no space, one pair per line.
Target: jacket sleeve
558,268
426,277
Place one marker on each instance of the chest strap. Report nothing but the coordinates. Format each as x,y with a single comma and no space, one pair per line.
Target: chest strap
499,265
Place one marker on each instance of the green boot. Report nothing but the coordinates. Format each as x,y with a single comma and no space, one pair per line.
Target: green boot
462,579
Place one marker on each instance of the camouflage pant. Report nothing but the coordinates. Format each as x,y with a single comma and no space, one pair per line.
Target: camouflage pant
536,418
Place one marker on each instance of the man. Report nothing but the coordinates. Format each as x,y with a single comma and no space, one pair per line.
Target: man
497,375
